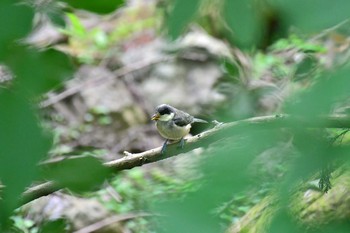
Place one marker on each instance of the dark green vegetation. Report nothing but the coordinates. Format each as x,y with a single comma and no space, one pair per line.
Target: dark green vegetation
258,179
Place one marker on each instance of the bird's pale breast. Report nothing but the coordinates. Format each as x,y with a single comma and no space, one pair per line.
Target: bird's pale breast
171,131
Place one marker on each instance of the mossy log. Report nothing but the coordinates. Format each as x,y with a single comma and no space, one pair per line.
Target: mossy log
309,207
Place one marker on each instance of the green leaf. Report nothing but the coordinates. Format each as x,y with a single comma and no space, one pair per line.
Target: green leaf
15,23
305,68
78,174
182,13
245,21
101,6
230,67
76,28
296,42
22,145
331,88
282,222
56,226
39,72
57,18
312,15
224,172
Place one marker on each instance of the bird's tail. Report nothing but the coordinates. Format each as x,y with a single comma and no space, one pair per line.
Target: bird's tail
199,120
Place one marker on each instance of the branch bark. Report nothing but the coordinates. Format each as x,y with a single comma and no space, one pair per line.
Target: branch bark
204,139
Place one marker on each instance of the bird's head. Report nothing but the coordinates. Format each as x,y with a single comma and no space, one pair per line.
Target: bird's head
164,112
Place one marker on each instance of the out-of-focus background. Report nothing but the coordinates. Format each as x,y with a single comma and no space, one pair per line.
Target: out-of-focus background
79,81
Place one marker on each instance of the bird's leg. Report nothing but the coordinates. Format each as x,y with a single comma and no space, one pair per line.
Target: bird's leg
182,143
164,147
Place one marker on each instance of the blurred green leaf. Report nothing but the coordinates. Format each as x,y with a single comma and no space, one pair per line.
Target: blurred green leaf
78,174
331,88
38,72
101,6
245,21
333,227
22,146
21,139
57,18
314,153
15,22
224,172
180,16
193,214
55,226
232,69
312,15
282,222
305,68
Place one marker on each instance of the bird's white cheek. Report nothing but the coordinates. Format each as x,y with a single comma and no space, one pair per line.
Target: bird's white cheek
166,117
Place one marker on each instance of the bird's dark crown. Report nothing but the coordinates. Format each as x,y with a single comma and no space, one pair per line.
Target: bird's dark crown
164,109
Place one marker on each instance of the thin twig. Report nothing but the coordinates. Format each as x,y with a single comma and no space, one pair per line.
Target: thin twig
118,73
108,221
329,30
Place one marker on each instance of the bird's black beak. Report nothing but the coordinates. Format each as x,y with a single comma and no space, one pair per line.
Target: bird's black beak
155,117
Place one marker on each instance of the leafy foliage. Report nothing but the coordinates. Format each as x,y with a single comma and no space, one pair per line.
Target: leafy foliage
239,11
224,167
180,16
184,206
22,140
91,45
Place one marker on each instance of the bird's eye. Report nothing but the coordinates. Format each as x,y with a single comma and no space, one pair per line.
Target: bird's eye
163,110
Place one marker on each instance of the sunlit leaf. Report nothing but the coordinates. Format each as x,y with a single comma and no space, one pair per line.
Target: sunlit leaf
76,28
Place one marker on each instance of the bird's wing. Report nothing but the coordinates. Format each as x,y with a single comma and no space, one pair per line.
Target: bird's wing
182,118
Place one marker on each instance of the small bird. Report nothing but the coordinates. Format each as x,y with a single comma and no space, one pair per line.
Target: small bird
173,124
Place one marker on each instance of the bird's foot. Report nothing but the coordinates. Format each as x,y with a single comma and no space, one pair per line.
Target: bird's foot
182,143
164,147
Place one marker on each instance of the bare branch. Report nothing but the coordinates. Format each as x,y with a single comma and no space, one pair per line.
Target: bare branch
40,190
204,139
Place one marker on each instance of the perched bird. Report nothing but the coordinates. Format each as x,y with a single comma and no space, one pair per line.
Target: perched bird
173,124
